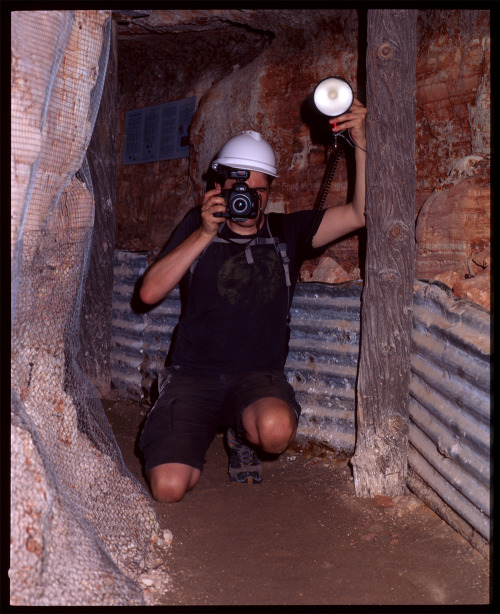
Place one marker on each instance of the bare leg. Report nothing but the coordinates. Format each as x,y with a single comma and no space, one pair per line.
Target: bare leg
169,482
270,424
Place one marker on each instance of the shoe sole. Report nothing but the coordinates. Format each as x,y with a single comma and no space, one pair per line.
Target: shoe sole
248,480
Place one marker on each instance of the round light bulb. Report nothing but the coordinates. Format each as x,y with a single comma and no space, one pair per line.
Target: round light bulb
333,96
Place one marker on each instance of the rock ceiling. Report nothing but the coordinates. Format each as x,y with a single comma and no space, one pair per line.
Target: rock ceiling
272,21
240,35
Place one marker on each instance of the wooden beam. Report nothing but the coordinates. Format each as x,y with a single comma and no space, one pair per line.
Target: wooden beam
380,459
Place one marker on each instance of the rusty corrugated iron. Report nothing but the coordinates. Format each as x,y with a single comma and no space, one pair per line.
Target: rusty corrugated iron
450,446
322,362
321,365
140,340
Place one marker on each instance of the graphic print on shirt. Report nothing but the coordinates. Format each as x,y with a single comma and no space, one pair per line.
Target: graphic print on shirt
241,283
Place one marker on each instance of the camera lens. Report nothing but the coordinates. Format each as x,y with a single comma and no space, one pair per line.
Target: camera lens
240,205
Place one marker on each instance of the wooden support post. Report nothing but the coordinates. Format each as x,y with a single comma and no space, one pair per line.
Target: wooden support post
380,459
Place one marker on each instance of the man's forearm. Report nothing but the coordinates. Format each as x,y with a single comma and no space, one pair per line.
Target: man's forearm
343,219
162,277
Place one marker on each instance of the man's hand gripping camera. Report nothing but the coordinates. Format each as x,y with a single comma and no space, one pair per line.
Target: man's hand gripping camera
242,202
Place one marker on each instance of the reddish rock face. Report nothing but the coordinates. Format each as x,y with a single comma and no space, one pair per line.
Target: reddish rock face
453,88
256,69
453,230
476,289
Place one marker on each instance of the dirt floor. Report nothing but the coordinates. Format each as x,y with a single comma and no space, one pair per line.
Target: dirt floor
302,538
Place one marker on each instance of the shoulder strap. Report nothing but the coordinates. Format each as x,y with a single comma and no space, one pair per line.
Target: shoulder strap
281,250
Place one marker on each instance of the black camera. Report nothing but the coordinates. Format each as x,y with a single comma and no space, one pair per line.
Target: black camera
242,202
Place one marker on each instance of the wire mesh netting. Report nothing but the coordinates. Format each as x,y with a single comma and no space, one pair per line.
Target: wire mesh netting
83,529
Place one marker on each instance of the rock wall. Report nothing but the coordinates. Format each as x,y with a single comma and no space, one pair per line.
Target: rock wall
256,69
453,152
191,51
281,80
95,333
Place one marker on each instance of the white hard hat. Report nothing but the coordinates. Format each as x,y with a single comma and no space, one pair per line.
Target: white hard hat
247,150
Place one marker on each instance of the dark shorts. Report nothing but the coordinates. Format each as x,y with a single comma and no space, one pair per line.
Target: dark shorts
184,420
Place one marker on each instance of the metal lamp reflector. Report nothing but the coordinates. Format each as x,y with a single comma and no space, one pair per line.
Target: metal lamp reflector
333,96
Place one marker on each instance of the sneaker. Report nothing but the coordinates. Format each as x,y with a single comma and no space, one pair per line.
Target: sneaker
244,464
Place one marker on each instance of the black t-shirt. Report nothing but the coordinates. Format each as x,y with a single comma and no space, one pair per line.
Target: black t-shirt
235,314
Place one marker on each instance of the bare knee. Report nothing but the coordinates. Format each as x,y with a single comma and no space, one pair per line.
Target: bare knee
167,491
276,435
170,482
275,426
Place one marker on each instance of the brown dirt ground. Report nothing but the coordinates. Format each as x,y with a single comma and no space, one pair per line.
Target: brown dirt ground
303,538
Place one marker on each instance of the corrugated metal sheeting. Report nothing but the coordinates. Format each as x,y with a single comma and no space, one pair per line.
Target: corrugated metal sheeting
321,366
322,362
449,392
140,340
450,447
